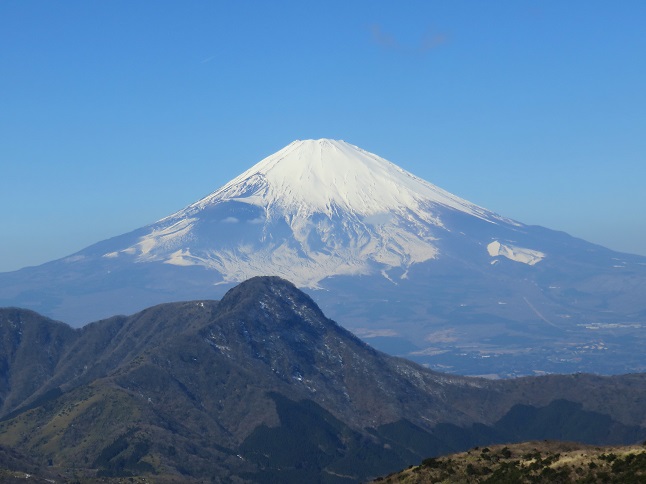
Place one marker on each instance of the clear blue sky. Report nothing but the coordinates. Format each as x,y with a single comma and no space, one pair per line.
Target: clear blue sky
114,114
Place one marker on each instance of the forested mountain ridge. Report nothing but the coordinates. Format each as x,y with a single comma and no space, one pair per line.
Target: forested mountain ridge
262,386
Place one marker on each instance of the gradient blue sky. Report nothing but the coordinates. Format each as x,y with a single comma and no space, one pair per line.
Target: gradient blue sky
114,114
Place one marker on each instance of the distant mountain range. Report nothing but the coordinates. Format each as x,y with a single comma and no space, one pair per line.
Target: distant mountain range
405,265
262,387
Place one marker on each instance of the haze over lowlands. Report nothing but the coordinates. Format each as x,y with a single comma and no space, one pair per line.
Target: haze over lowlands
322,243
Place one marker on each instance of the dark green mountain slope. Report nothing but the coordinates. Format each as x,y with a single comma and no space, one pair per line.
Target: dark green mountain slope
262,387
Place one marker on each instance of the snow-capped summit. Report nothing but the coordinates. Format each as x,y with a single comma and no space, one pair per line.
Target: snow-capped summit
327,176
315,209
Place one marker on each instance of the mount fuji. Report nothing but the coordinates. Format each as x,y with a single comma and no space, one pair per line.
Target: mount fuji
314,210
411,268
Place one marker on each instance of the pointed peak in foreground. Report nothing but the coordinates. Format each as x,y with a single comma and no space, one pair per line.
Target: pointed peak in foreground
269,291
257,284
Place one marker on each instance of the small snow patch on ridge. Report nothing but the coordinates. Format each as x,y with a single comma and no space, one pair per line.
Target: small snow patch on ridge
517,254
